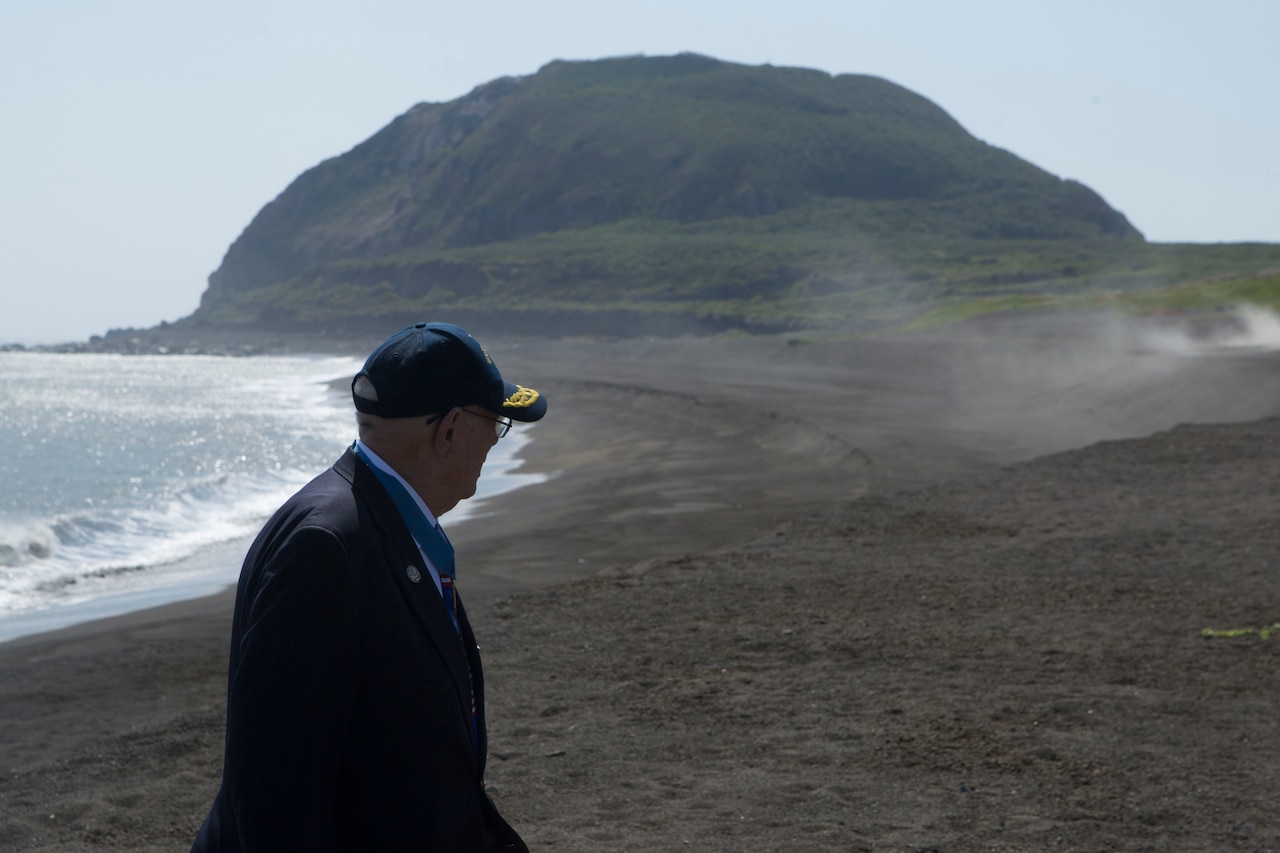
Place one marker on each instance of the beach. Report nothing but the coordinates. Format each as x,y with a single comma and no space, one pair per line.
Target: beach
935,591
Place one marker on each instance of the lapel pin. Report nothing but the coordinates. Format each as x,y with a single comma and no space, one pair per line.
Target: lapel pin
413,573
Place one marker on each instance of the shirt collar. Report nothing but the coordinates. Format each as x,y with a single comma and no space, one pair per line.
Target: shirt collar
382,465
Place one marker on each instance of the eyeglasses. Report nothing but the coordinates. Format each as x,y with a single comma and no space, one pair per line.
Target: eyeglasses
501,426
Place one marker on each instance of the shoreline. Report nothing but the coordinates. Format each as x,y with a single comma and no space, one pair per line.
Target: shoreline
622,407
966,642
170,602
211,569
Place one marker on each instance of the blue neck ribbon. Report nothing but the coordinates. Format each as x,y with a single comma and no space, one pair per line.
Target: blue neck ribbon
430,537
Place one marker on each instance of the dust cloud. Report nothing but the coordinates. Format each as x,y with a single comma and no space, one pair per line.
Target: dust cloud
1055,383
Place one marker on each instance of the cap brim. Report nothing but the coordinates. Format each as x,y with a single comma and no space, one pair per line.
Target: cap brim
523,404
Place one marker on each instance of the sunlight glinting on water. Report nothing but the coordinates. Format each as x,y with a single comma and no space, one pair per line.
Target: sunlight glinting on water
116,471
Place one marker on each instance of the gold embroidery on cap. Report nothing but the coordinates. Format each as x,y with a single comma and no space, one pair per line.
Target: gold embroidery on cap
522,399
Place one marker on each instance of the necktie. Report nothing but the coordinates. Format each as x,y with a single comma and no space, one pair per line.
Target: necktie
447,579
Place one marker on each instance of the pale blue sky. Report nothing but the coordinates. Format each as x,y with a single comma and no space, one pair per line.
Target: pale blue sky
139,137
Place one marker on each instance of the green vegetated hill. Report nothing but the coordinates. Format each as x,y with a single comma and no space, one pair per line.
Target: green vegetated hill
650,194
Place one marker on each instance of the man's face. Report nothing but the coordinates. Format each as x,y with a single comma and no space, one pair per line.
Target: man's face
476,432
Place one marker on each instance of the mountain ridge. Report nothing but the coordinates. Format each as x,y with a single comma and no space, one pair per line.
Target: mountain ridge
461,205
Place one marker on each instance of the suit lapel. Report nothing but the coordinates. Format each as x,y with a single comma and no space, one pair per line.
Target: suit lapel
472,651
404,562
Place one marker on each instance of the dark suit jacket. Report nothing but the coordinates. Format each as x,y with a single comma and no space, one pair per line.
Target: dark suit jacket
349,721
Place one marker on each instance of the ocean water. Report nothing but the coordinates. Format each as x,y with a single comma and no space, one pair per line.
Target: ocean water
130,481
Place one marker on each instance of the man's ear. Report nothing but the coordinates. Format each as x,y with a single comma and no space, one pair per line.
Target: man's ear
444,431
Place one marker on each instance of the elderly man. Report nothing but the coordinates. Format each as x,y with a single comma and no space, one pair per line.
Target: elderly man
355,699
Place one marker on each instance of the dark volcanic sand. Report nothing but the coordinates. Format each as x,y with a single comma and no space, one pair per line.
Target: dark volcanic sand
792,596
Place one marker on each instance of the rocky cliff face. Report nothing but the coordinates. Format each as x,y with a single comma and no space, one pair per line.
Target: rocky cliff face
363,203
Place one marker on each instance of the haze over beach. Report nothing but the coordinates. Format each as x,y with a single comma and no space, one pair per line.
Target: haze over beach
144,136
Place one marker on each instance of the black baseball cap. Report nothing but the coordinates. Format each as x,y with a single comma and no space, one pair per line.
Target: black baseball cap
430,368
